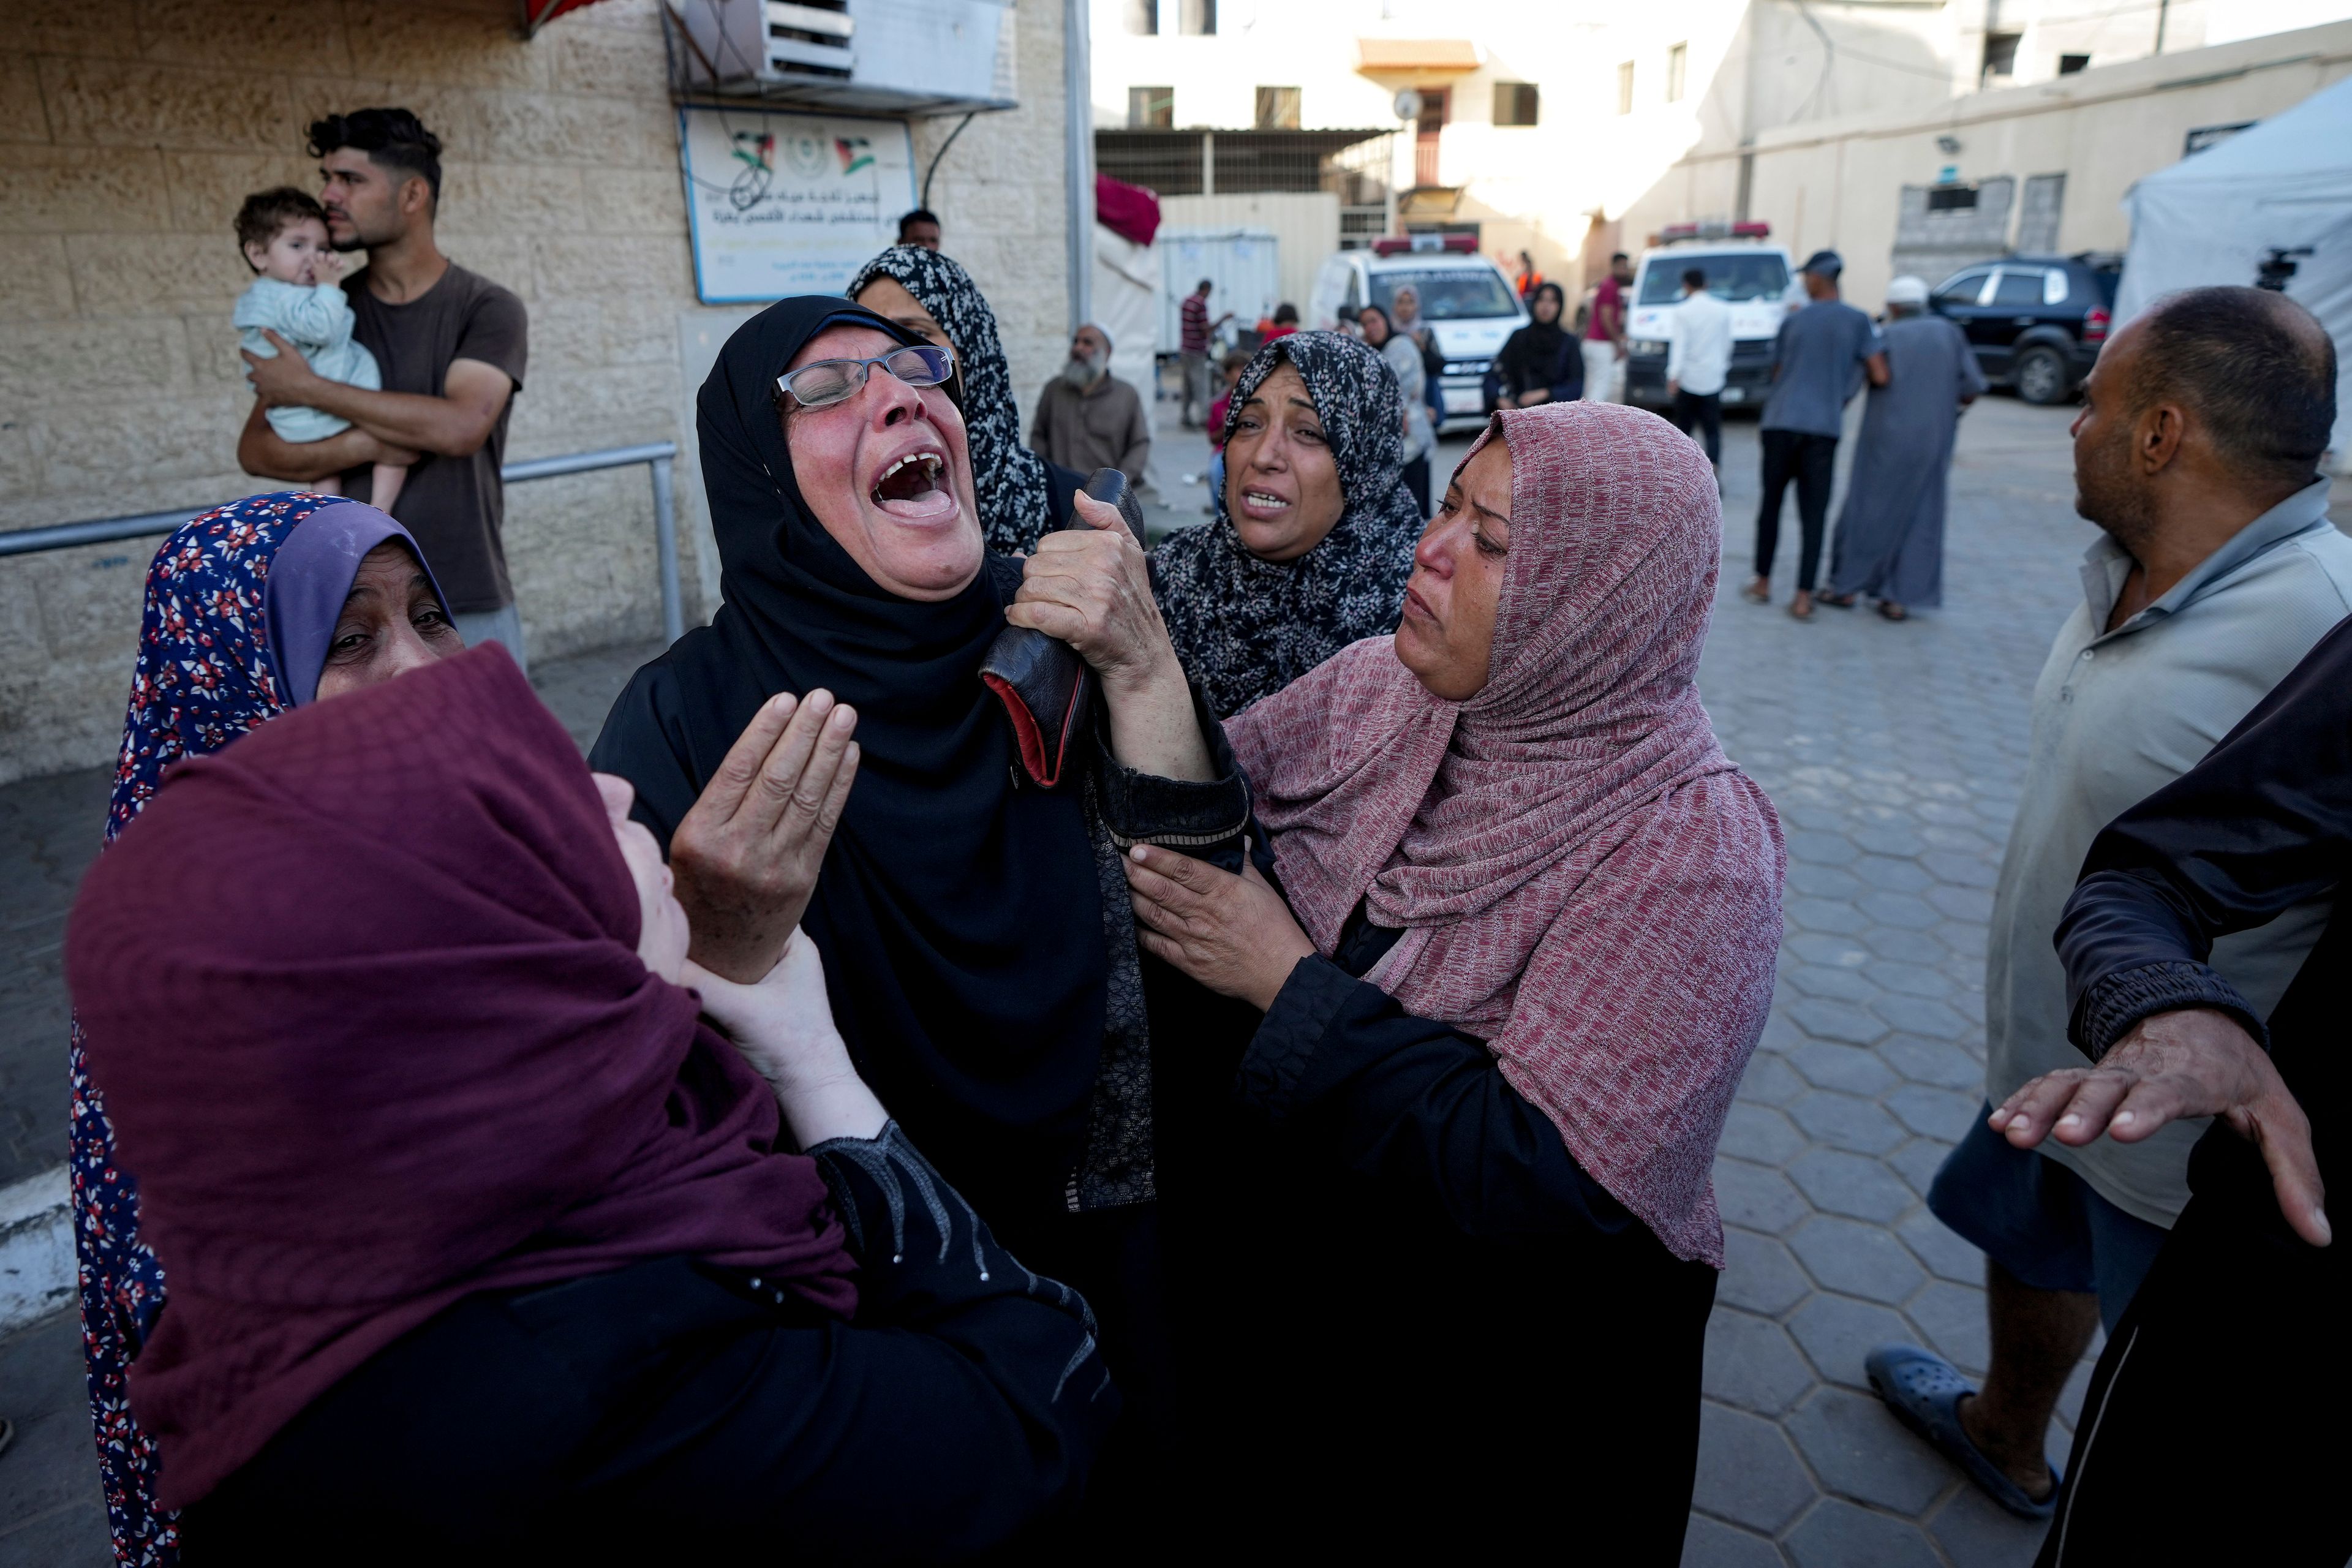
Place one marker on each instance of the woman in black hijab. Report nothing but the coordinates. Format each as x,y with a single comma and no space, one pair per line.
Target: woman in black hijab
1314,527
1540,363
975,927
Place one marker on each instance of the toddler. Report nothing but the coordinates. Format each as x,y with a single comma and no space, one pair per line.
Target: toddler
284,236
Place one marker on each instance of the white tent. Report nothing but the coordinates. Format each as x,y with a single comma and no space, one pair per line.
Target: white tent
2215,215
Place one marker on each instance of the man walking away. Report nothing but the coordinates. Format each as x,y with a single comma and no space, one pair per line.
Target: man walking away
2205,1436
451,346
1819,361
1698,359
1604,335
1890,533
920,228
1195,329
2216,572
1088,418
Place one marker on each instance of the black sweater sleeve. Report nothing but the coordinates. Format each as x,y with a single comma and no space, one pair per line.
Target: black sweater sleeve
2262,824
1418,1110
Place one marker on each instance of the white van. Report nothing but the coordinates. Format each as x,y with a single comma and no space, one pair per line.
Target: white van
1465,301
1757,279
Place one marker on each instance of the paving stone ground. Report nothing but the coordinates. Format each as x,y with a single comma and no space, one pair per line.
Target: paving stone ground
1894,754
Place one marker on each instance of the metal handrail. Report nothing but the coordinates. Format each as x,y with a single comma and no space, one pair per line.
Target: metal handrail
657,455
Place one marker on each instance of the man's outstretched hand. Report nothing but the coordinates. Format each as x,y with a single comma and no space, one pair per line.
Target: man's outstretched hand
2193,1062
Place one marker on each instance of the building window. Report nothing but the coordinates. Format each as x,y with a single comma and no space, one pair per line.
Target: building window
1278,109
1952,198
1143,17
1196,17
1626,88
1677,61
1515,103
2069,64
1150,108
2000,54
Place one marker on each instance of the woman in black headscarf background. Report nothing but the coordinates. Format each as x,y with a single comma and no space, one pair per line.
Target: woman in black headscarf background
1541,362
1315,528
975,928
1021,495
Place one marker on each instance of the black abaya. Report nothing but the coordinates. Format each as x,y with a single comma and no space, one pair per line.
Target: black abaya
975,931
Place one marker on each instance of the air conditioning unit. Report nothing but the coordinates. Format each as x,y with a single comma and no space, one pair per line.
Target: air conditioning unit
894,56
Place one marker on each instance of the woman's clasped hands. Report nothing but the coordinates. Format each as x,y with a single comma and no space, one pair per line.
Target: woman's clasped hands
1233,934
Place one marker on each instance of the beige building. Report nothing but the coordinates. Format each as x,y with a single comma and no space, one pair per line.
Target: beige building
2038,169
130,134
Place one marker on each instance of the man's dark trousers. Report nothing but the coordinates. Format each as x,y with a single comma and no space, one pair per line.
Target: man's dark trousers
1702,410
1808,459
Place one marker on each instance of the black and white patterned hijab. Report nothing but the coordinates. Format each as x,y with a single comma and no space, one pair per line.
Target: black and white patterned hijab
1008,479
1246,628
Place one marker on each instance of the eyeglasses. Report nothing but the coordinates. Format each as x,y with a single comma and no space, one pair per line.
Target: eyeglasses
825,382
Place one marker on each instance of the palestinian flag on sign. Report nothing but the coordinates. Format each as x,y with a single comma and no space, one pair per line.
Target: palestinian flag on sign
854,152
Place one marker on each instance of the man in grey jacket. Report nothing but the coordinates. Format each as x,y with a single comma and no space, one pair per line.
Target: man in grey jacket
2217,571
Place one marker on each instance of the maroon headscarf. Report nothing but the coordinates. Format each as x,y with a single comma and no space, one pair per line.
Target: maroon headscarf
1585,881
364,992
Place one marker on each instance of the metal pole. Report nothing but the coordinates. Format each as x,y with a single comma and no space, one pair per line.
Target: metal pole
665,544
1078,113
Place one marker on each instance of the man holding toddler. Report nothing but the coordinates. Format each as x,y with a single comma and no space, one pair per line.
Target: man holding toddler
449,347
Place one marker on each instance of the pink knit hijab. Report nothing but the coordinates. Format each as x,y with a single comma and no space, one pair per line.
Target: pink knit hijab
1586,882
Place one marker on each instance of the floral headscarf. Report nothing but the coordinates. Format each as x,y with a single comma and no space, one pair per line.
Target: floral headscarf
205,676
1246,628
1008,479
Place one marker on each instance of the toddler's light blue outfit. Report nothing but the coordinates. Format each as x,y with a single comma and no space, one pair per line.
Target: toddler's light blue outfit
318,320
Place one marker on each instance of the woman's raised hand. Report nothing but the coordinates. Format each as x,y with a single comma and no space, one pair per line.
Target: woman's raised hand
746,858
1091,587
1233,934
783,1025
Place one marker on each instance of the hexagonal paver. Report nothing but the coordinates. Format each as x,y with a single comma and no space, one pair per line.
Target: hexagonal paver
1820,847
1952,1315
1836,1333
1840,1535
1853,1068
1756,1197
1857,1259
1966,938
1908,979
1855,1185
1711,1544
1747,1471
1817,882
1846,1122
1947,1255
1960,868
1976,1532
1888,838
1939,1062
1768,1081
1908,911
1918,1161
1961,903
1946,1113
1860,1451
1837,984
1814,947
1759,1274
1836,916
1828,1020
1751,1363
1920,1015
1761,1133
1910,946
1887,874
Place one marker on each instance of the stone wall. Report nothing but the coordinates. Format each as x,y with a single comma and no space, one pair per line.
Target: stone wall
129,134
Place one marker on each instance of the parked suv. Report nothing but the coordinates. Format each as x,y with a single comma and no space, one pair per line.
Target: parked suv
1468,305
2036,322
